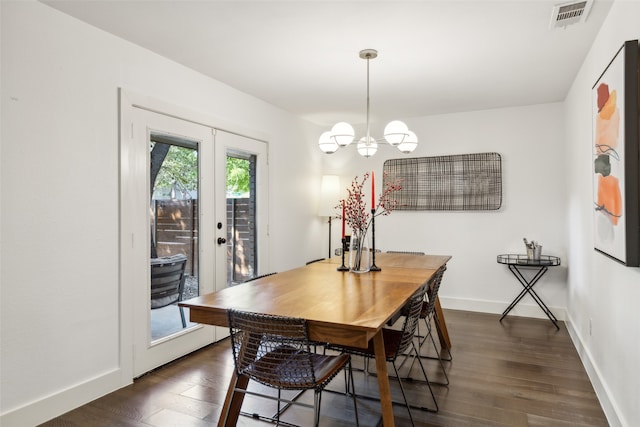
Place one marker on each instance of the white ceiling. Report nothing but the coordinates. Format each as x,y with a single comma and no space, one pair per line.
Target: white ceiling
434,56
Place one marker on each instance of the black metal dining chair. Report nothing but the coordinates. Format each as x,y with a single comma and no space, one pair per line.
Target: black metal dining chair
275,351
427,315
423,315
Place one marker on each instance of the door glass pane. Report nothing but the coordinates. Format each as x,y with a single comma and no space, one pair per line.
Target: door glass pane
242,258
174,232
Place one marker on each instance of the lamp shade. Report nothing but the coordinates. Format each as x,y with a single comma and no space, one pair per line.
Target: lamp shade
329,195
409,144
327,144
395,132
342,133
367,150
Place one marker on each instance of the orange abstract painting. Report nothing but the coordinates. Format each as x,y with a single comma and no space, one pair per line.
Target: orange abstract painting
609,198
616,149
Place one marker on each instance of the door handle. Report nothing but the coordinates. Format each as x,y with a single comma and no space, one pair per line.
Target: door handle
222,240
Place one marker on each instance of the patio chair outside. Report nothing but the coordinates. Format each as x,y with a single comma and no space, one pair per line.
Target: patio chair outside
167,282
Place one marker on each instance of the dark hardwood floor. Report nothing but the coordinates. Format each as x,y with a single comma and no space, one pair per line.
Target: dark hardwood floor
521,372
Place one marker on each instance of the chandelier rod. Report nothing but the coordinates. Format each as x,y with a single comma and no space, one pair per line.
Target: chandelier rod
368,141
368,54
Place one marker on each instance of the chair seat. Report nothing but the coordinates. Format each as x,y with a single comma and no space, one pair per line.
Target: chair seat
287,368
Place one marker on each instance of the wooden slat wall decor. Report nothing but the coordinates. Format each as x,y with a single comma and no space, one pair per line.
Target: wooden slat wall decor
447,183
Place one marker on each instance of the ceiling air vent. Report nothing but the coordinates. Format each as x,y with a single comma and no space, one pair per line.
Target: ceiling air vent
570,13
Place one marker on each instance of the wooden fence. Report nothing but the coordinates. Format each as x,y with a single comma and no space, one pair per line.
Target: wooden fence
176,232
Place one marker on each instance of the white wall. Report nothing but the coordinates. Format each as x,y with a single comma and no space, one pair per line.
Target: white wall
530,141
602,293
59,299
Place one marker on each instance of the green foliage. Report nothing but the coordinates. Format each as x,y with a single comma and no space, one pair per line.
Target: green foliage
237,175
181,165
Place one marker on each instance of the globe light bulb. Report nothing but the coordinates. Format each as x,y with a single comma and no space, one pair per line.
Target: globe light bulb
409,144
367,149
395,132
342,133
327,144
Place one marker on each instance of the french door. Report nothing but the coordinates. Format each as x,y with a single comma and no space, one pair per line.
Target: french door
174,204
172,198
244,209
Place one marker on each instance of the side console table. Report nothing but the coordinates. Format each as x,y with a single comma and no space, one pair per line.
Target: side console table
516,263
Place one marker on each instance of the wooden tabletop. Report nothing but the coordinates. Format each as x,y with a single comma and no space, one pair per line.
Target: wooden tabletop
356,304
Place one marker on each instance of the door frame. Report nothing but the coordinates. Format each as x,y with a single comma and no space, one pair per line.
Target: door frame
129,101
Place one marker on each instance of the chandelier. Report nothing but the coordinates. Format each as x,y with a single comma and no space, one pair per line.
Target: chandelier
342,134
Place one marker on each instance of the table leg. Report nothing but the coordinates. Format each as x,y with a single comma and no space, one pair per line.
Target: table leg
383,380
233,401
441,327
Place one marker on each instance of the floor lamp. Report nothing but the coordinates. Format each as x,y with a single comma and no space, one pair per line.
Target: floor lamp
329,199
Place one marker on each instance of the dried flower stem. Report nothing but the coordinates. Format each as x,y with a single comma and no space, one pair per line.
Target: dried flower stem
357,216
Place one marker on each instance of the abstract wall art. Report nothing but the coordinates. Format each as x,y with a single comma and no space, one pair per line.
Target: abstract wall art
616,151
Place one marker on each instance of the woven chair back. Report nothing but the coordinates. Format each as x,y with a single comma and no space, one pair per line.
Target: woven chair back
406,252
413,308
250,279
272,350
432,290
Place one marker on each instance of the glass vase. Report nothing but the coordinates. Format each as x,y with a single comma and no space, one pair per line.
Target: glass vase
359,253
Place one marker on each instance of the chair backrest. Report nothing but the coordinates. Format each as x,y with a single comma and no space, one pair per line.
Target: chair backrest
259,277
273,350
432,290
412,310
167,280
406,252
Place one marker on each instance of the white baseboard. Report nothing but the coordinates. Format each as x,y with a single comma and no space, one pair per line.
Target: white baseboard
49,407
604,396
523,309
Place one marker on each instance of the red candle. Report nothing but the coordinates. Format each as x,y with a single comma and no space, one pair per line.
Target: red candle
373,191
343,219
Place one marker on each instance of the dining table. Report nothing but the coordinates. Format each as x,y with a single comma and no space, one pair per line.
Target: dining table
340,307
416,260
